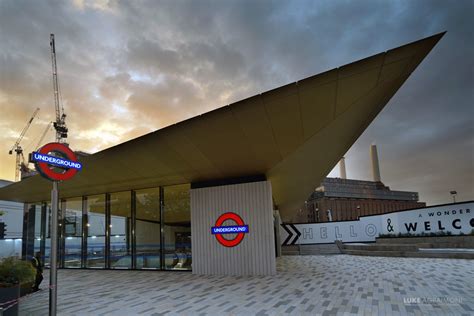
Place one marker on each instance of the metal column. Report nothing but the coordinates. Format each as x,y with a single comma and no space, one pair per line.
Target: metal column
54,251
133,228
162,229
107,230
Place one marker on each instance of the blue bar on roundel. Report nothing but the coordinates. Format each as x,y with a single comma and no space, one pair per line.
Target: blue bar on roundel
56,161
229,229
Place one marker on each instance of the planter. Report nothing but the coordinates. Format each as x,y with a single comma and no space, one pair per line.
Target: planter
8,294
26,288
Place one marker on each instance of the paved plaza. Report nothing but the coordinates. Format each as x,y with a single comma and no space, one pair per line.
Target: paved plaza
304,285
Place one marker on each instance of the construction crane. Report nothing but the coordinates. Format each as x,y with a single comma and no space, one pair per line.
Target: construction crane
60,123
19,164
43,136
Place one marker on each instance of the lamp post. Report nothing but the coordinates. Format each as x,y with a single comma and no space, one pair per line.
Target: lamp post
453,193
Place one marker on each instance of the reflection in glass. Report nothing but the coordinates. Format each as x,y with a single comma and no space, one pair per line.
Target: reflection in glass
72,223
47,234
120,230
153,250
177,229
95,206
147,228
35,211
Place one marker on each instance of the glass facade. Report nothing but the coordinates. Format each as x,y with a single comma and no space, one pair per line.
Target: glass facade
36,237
72,232
36,211
47,235
95,231
177,228
137,229
120,230
148,229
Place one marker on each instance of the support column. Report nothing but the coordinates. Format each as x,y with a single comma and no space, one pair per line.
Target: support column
53,274
162,229
43,231
62,233
133,228
28,242
250,202
107,230
85,232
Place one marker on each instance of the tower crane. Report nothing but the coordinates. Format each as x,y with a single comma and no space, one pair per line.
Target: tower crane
17,148
60,123
43,135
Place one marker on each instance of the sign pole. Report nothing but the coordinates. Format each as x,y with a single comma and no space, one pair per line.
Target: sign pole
60,166
53,276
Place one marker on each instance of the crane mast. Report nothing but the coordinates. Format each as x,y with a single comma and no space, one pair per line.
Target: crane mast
60,123
18,149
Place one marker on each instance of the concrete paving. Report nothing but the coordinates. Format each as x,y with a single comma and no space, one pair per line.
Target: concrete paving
304,285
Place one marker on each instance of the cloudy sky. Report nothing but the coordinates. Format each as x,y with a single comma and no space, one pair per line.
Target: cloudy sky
127,68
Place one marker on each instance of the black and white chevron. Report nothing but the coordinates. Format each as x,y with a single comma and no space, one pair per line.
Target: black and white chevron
292,231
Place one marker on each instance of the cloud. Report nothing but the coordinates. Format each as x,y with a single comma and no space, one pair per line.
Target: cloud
130,67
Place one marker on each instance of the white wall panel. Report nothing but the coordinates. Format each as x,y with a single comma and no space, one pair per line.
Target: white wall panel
255,255
453,218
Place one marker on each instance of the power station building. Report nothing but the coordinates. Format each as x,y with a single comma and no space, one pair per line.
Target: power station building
203,194
347,199
342,199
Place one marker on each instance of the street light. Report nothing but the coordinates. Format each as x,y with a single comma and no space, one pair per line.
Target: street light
453,193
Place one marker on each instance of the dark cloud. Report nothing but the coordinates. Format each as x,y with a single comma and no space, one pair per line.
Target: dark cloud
175,59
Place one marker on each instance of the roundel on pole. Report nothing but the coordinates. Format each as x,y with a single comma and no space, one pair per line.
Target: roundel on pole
56,162
240,229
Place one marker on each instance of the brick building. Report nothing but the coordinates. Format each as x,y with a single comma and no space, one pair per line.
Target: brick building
344,199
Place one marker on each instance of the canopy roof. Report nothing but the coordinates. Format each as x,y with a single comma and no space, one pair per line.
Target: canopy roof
294,135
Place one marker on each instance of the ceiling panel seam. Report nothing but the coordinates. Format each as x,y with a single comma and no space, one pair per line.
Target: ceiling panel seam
300,112
370,91
358,99
335,97
182,159
329,122
247,139
402,74
271,127
380,71
369,119
185,135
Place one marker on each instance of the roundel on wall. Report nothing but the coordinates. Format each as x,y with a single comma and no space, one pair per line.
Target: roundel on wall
239,229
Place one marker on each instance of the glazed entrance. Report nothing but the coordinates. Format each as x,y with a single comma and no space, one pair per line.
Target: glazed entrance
138,229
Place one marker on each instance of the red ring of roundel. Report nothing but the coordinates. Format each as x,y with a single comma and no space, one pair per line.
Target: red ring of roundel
50,173
232,242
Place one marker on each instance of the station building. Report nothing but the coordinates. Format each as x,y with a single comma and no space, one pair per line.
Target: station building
153,202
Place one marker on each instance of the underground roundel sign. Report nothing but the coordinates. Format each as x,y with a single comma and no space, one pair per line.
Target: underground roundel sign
56,162
239,229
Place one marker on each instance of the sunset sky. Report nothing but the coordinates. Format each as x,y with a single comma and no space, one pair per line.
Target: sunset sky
127,68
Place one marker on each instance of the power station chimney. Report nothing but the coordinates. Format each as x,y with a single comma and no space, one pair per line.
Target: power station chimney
375,163
342,168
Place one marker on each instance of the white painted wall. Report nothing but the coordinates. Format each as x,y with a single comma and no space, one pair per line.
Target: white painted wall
13,218
10,248
454,218
255,255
